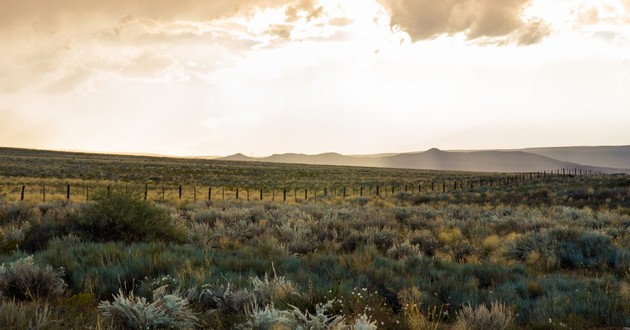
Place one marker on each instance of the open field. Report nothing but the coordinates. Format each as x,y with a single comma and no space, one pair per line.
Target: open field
429,251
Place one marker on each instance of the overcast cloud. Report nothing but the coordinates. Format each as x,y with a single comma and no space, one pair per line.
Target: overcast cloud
179,76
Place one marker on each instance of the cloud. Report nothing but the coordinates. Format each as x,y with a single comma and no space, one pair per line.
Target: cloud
68,81
589,16
149,64
303,8
21,129
56,12
490,21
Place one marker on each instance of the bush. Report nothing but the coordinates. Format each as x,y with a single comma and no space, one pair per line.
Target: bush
17,315
567,248
271,318
482,318
25,280
125,217
131,312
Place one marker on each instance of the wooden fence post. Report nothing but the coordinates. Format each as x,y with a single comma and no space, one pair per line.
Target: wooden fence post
305,193
146,191
361,190
209,193
236,193
261,194
43,193
194,193
180,192
376,190
344,192
22,193
109,190
284,195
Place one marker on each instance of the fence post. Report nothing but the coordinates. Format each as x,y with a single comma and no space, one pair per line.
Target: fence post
361,190
180,192
162,192
344,192
284,195
22,194
236,193
87,192
305,193
432,186
443,186
194,193
43,193
261,194
376,190
223,193
109,190
209,193
146,191
247,193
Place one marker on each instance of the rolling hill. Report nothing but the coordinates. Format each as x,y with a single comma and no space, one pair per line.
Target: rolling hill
526,160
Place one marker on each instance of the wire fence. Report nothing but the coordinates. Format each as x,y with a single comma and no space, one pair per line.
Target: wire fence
57,189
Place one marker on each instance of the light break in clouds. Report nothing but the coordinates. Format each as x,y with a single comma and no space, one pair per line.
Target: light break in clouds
194,77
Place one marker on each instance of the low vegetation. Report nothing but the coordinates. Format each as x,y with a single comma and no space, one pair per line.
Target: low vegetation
545,255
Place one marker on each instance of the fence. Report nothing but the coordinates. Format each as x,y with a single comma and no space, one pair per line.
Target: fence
83,191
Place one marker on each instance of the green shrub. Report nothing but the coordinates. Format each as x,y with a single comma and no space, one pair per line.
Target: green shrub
567,248
25,280
125,217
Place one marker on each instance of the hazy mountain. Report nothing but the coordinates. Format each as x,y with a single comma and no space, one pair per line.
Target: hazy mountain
605,156
480,161
435,159
239,157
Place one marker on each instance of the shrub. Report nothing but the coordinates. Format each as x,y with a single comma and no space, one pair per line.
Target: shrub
363,322
271,318
125,217
131,312
18,315
270,290
402,251
11,238
482,318
23,279
223,297
566,248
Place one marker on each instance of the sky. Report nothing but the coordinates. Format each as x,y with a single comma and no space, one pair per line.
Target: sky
258,77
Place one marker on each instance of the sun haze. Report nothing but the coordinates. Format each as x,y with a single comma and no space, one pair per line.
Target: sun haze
195,77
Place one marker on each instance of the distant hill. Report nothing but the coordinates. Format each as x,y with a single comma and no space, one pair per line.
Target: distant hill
238,158
477,161
615,157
